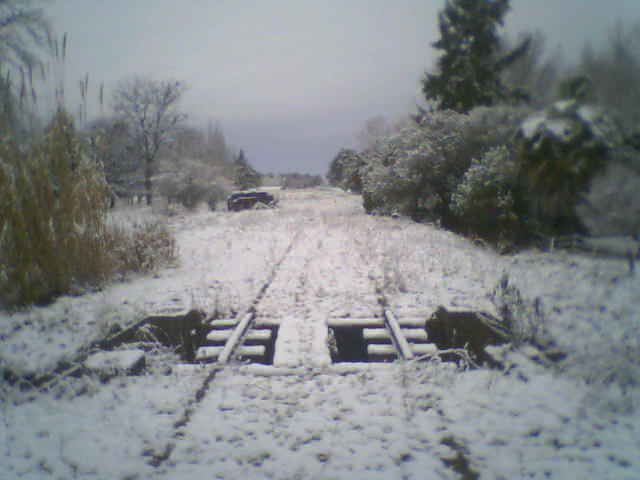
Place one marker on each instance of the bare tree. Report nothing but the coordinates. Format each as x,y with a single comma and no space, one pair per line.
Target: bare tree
150,110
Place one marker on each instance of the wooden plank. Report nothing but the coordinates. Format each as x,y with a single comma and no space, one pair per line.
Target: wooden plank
169,311
254,335
423,348
251,350
219,335
266,322
378,349
413,322
355,322
208,353
411,312
212,353
235,337
271,371
258,335
415,334
223,323
118,361
375,334
396,335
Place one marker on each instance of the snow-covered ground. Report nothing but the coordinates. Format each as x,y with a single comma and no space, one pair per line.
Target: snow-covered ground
307,418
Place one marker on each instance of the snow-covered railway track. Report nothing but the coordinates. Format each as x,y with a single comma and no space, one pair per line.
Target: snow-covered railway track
233,340
251,336
226,338
381,338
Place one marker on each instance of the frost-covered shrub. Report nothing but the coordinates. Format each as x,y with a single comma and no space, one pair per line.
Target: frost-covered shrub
53,206
486,200
413,172
416,171
390,188
524,319
345,170
215,194
560,150
141,247
191,195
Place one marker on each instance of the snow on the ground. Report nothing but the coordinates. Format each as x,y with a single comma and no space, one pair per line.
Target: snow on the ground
315,424
593,310
308,418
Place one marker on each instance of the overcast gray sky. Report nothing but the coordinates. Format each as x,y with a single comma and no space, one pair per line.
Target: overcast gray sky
292,81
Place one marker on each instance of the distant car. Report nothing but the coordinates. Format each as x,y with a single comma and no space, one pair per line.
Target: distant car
247,200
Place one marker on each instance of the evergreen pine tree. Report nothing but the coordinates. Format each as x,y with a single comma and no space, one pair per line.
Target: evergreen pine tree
469,69
246,176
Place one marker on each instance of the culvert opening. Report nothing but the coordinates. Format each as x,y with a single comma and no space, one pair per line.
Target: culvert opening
261,345
183,332
347,344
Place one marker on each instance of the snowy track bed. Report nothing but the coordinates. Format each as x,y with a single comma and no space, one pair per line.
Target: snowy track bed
318,424
316,260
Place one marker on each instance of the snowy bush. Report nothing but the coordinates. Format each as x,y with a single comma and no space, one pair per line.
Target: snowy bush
191,195
141,247
345,171
560,150
485,201
215,194
413,171
416,171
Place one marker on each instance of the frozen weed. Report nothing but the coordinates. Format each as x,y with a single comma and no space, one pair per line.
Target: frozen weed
524,319
393,279
142,247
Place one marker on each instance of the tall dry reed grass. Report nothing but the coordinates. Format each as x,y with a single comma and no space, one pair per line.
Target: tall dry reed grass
54,237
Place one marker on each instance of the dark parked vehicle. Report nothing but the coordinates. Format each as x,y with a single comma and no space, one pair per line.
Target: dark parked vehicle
246,200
